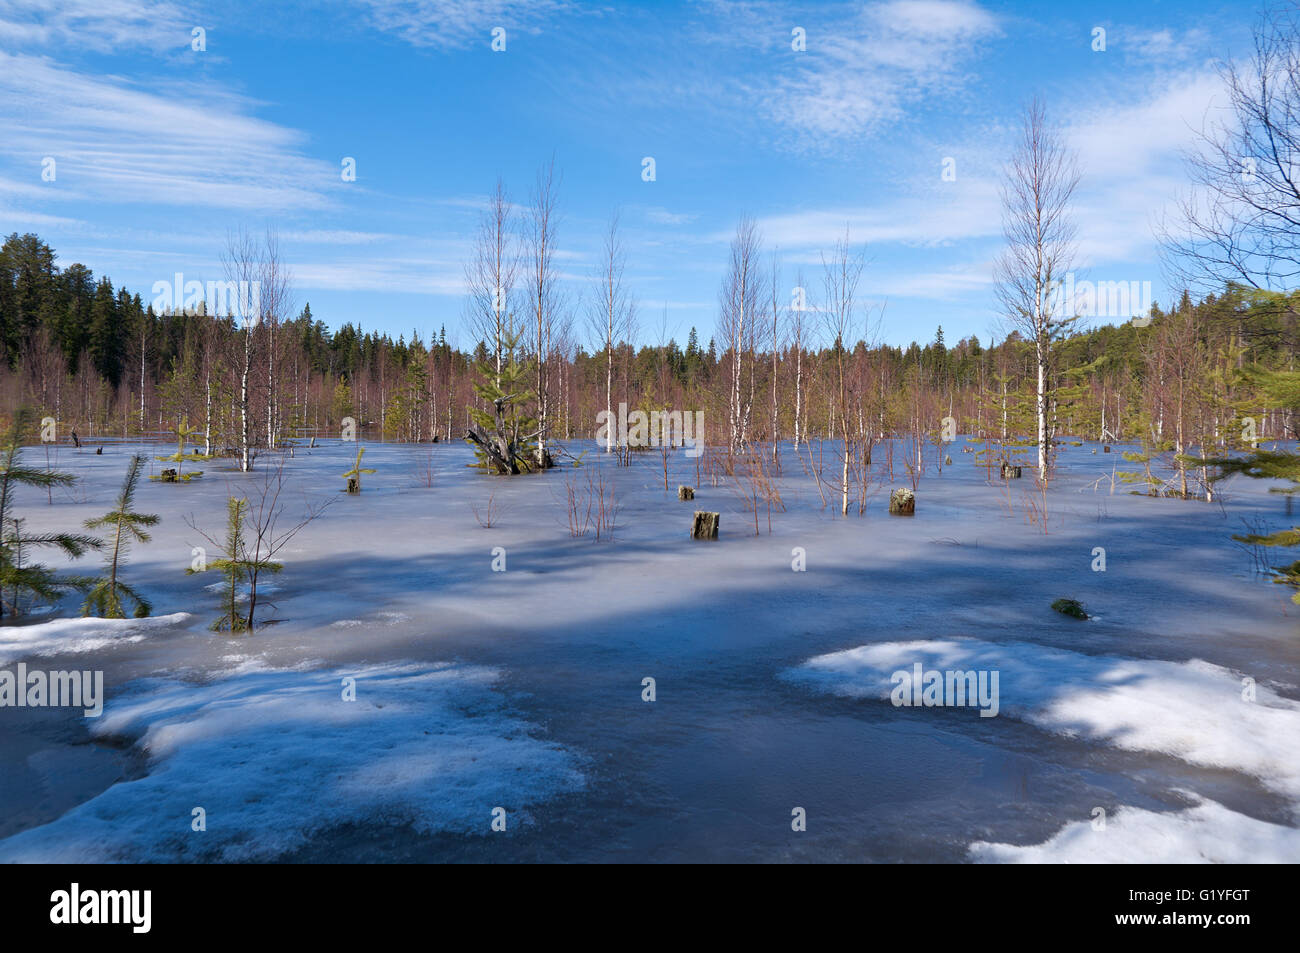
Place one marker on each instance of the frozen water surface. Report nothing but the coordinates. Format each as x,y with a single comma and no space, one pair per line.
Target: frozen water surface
522,689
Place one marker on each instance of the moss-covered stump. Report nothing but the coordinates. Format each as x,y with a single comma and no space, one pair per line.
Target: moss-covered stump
354,484
686,493
1071,607
902,502
705,525
168,476
1010,473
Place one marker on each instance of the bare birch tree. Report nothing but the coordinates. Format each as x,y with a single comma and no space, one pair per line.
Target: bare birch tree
490,277
774,341
544,298
276,298
1036,202
840,276
739,303
613,310
1240,222
798,307
240,261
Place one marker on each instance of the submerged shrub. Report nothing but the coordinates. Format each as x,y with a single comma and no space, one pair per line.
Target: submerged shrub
1070,607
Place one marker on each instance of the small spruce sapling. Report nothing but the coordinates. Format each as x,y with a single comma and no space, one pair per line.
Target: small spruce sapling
183,433
105,597
236,566
254,534
353,476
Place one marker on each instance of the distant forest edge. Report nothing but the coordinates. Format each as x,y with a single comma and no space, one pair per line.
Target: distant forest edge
102,362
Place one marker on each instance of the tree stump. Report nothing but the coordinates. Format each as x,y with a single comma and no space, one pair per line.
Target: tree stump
1105,449
686,493
902,502
947,461
1009,472
169,476
705,525
354,484
99,451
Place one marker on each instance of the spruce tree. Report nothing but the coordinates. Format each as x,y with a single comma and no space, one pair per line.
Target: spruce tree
237,565
353,476
105,598
183,433
17,576
504,436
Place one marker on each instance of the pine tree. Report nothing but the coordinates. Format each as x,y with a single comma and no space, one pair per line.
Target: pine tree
105,599
16,575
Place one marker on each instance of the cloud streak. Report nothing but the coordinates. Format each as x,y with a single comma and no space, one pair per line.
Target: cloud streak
188,146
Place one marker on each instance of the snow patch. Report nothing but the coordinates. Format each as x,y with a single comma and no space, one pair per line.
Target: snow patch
1208,833
76,636
273,756
1193,710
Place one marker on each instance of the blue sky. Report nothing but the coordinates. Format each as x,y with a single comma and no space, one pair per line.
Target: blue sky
161,150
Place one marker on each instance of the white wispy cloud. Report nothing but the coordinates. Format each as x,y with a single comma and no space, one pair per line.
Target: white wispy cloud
337,237
16,219
96,25
190,145
387,275
457,24
946,213
661,216
1167,44
945,284
865,70
1130,156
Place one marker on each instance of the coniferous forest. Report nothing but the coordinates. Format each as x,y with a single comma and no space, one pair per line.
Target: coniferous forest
1188,376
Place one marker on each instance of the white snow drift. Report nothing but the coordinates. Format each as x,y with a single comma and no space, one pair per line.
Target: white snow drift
1194,711
1208,833
78,636
272,756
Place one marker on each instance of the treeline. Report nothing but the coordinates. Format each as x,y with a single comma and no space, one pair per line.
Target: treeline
102,362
